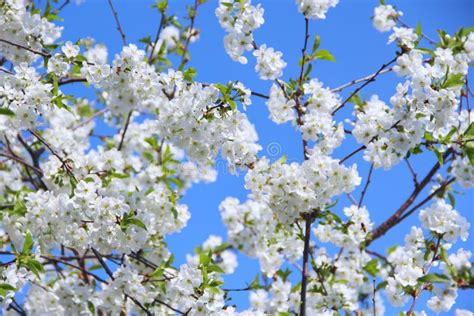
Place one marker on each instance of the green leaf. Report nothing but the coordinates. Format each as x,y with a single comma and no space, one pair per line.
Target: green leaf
7,287
136,222
5,111
453,81
435,278
439,155
255,283
215,268
153,143
324,55
470,130
204,259
35,266
146,40
371,267
381,285
452,200
418,29
189,74
355,99
425,51
391,249
317,42
28,244
232,104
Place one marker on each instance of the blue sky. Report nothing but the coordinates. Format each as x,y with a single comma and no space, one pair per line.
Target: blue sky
359,50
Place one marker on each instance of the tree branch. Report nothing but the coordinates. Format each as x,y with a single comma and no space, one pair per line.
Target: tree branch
117,21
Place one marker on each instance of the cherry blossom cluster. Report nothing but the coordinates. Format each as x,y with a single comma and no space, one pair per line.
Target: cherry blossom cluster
240,19
315,9
91,189
21,27
317,123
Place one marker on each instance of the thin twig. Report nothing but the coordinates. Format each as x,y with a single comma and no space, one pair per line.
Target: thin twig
117,21
63,162
366,185
151,58
413,173
431,41
369,80
127,122
91,118
192,17
17,159
395,218
34,51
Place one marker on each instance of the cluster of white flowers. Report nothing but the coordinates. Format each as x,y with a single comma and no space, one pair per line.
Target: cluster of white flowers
384,17
97,54
181,108
16,277
66,295
84,224
333,293
269,63
424,103
22,27
442,219
348,235
317,123
253,229
315,9
280,193
239,19
26,96
281,300
294,189
404,36
463,170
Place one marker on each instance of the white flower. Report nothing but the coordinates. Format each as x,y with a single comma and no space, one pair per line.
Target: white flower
404,36
315,9
269,63
70,50
385,17
443,219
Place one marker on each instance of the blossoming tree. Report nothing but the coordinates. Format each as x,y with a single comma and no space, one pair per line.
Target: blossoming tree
84,226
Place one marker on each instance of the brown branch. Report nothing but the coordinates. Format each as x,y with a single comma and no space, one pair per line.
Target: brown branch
303,51
91,118
151,58
423,35
304,274
34,51
352,153
63,162
413,173
103,264
428,198
395,218
65,81
417,293
366,185
117,21
192,17
366,82
53,259
127,122
19,160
